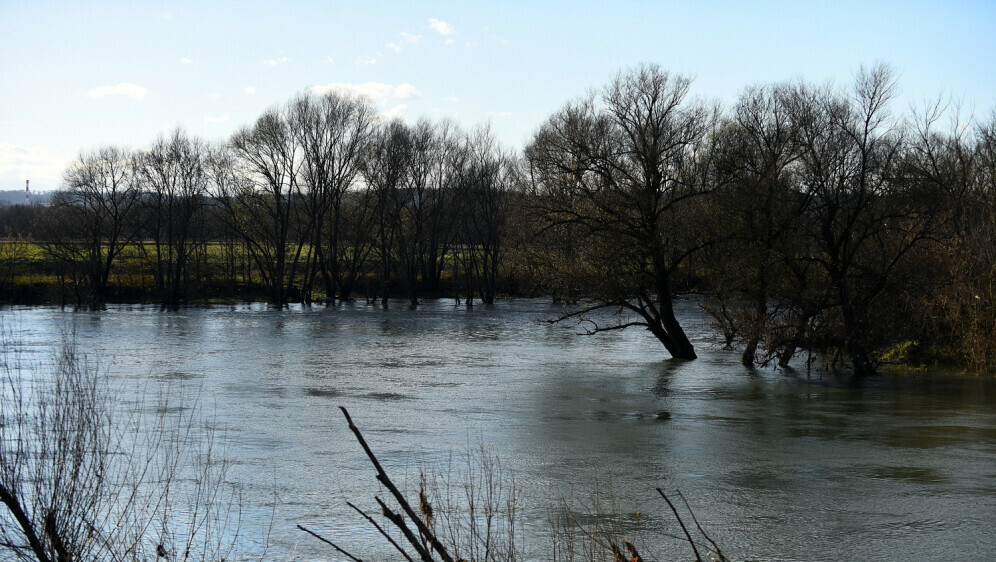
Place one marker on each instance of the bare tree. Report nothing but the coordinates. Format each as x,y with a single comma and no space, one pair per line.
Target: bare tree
229,191
415,204
489,177
174,179
384,170
756,220
447,162
332,130
93,220
864,218
624,169
269,155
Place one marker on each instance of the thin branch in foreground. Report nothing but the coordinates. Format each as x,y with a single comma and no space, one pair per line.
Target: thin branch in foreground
698,558
381,531
27,527
383,478
715,546
328,542
399,522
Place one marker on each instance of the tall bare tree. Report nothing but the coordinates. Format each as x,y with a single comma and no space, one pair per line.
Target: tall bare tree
489,177
864,217
384,172
756,224
446,165
332,130
414,205
269,155
625,168
172,176
93,220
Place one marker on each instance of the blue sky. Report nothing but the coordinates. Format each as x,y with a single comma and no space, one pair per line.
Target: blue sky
77,75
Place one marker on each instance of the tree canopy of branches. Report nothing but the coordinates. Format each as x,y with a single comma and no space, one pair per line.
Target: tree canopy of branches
623,170
173,177
489,179
825,195
93,220
332,131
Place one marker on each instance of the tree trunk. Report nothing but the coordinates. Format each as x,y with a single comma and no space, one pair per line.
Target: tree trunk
669,332
750,351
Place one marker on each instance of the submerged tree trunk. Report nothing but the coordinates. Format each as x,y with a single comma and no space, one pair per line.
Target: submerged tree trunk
673,336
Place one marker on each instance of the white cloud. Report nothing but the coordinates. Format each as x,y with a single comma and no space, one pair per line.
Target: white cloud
250,90
219,119
441,27
275,62
329,60
185,60
167,16
214,96
122,89
366,61
35,163
406,39
452,98
376,91
405,91
450,41
396,112
500,113
380,93
470,44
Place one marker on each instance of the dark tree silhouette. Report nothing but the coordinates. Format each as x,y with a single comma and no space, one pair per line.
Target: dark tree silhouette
625,168
174,182
92,220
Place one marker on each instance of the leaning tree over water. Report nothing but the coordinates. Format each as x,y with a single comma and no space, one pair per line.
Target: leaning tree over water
624,169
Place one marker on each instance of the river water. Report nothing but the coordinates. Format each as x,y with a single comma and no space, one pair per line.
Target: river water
777,465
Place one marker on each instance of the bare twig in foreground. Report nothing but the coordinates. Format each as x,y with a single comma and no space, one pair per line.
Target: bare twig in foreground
328,542
698,558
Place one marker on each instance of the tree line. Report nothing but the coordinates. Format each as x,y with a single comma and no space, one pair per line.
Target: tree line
813,218
314,199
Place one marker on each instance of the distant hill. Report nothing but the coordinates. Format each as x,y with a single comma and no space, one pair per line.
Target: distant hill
14,196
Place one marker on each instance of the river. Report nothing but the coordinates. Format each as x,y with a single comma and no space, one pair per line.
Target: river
777,465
